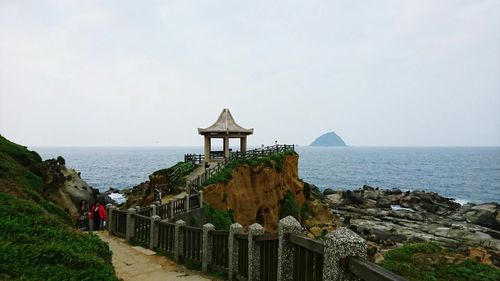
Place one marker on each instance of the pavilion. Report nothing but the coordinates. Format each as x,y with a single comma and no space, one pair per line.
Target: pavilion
224,128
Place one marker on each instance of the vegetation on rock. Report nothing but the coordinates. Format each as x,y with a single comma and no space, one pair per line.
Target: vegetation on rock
220,219
289,207
36,238
429,262
273,161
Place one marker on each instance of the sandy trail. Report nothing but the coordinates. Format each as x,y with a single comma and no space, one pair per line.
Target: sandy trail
136,263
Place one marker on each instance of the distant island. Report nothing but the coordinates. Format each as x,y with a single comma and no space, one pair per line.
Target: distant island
328,139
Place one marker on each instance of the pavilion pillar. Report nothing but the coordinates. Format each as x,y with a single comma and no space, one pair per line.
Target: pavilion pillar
226,147
243,144
207,148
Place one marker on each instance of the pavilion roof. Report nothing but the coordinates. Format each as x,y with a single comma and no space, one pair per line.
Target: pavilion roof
225,124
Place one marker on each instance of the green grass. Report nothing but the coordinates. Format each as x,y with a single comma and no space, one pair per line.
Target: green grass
36,245
427,262
289,207
36,238
275,161
18,152
220,219
185,167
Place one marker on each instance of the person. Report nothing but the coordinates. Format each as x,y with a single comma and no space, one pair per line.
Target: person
83,211
83,208
98,215
276,144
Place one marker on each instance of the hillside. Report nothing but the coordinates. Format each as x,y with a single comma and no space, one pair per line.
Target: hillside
37,241
328,139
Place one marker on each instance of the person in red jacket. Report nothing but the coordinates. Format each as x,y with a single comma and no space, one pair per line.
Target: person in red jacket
98,215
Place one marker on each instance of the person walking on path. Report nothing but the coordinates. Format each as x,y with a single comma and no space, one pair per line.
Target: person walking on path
97,215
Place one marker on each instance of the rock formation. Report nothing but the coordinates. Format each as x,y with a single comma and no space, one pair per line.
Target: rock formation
391,217
254,193
64,186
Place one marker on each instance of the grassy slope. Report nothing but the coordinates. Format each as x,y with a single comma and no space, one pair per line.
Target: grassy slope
36,240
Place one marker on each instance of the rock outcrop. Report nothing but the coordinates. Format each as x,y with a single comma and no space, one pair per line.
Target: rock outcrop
64,186
391,217
254,193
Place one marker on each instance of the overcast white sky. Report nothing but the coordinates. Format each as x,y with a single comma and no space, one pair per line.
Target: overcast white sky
147,73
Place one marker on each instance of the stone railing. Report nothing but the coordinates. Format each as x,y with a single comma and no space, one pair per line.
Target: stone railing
282,256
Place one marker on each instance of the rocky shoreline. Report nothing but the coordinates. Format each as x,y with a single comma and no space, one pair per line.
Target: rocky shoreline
388,218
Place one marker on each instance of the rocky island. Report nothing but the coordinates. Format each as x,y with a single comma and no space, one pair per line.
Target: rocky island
328,139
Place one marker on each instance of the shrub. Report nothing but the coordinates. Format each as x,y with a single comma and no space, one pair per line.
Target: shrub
289,207
275,161
36,245
220,219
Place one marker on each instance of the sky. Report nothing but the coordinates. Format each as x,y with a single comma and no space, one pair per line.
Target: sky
149,73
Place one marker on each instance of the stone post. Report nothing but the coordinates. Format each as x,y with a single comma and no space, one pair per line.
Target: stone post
108,215
186,202
153,238
171,209
235,228
110,218
206,251
254,252
340,244
153,209
201,198
178,243
130,223
288,225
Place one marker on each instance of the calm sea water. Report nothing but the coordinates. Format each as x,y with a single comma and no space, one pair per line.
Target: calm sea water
466,174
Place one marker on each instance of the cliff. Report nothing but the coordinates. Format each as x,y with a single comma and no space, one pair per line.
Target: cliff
254,193
37,241
264,190
328,139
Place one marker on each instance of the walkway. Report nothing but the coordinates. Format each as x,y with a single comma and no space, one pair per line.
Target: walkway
137,263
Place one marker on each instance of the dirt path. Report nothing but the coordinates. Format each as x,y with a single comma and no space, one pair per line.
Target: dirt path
136,263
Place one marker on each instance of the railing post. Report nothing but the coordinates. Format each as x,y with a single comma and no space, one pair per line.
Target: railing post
108,208
171,209
201,198
110,219
130,223
286,226
235,228
206,251
153,235
178,243
153,209
254,252
339,245
186,202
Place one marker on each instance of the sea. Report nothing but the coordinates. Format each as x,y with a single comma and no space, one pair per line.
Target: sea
466,174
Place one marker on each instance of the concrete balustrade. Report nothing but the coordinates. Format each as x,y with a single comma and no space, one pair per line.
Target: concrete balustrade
234,229
130,224
206,247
